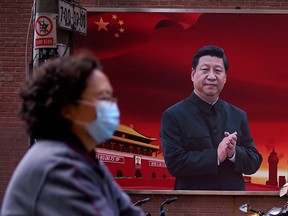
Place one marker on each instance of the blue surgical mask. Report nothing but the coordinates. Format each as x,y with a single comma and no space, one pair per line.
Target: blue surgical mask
106,122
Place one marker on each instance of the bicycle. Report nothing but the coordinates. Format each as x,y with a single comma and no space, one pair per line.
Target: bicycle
275,211
162,212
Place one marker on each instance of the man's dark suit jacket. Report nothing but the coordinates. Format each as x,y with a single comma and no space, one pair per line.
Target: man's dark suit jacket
191,131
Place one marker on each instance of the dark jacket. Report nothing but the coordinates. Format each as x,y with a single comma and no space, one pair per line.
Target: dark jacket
55,178
190,141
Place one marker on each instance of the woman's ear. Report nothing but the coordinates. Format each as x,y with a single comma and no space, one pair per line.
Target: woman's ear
67,112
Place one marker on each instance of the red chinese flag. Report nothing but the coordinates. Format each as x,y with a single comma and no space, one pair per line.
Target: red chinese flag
112,34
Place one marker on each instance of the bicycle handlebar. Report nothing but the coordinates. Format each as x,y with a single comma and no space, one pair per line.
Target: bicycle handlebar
168,201
140,202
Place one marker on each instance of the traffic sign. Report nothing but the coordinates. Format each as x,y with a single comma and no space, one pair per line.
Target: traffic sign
72,17
45,31
44,26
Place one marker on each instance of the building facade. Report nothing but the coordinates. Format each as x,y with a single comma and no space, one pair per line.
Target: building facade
16,37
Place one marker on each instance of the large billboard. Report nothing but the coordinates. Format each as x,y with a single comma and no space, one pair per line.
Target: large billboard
148,55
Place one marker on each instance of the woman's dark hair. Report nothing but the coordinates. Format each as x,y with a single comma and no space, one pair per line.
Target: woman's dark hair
54,84
210,51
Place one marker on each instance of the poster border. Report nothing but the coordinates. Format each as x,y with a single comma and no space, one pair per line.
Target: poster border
207,11
190,10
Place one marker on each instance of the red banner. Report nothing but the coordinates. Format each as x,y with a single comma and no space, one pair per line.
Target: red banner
148,58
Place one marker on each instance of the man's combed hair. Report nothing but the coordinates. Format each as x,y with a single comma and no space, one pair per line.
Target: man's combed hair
54,84
210,51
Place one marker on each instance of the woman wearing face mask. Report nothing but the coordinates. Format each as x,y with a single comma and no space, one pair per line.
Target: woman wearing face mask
68,106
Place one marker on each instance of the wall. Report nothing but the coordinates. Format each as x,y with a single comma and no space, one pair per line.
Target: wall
14,23
203,203
14,20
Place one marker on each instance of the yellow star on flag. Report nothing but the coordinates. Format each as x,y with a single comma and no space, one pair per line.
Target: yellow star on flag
121,30
102,25
116,35
121,22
